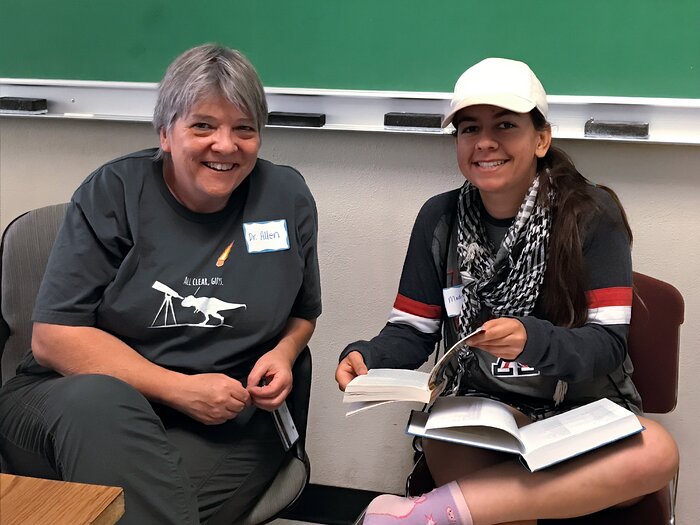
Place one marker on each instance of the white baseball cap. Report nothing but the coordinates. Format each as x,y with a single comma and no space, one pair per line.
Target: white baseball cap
501,82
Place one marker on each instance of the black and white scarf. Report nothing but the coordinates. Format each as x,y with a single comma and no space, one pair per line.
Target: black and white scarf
507,283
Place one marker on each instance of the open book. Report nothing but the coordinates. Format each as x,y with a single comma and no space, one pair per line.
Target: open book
487,423
384,385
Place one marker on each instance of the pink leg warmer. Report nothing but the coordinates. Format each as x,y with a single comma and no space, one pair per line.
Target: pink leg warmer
443,506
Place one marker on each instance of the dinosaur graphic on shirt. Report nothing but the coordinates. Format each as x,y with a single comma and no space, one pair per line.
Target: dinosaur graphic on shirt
208,306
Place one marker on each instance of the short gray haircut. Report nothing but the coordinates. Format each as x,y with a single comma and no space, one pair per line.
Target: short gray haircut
205,71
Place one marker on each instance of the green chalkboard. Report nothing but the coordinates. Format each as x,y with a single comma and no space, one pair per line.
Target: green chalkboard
636,48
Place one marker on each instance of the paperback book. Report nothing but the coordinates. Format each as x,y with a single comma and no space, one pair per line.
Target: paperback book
385,385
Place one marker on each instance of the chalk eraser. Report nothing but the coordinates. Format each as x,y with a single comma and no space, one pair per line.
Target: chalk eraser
620,130
23,105
282,118
413,120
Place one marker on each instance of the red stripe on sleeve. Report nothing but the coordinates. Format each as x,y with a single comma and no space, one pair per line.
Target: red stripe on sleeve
410,306
617,296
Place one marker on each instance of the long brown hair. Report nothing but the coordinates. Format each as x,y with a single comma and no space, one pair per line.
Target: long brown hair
573,209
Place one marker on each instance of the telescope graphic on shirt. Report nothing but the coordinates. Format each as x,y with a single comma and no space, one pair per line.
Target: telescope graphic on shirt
208,306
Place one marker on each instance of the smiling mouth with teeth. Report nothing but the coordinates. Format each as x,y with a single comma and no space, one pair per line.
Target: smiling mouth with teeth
490,164
218,166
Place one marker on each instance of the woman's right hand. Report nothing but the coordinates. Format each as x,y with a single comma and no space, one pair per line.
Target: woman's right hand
211,399
350,367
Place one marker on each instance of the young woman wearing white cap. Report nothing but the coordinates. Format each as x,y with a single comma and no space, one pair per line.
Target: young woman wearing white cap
540,258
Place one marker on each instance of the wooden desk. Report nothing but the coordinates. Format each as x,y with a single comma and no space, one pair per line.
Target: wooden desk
46,502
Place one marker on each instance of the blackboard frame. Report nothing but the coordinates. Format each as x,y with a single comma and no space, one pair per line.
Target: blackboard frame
671,121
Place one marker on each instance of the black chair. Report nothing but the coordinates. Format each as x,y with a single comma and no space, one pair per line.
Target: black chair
24,251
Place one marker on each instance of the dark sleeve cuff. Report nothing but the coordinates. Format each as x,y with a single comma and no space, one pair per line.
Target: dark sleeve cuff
536,343
364,348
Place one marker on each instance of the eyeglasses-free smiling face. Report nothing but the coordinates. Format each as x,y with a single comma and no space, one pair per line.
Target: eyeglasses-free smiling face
211,151
497,152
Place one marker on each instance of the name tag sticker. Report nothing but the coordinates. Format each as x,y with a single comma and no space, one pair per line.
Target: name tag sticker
269,236
453,300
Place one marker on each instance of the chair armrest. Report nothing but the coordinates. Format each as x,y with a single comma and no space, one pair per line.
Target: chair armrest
298,400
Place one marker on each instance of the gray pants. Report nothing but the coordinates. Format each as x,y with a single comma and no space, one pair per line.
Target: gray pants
98,429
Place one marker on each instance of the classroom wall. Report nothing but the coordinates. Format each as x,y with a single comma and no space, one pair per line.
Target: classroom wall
369,187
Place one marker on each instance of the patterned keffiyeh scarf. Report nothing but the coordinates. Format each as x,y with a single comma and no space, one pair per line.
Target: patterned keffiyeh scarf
507,283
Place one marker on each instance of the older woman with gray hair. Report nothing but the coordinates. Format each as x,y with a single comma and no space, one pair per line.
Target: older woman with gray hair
182,286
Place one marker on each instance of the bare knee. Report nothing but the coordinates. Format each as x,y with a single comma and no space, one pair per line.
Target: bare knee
660,458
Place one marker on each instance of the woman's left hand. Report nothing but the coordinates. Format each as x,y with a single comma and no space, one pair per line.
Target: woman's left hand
504,337
276,370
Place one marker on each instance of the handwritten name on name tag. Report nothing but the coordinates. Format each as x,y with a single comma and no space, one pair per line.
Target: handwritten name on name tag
269,236
453,300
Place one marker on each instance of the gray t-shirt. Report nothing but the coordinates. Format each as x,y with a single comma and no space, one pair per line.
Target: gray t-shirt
191,292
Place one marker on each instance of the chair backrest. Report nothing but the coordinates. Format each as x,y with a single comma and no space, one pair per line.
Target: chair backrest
24,251
654,342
